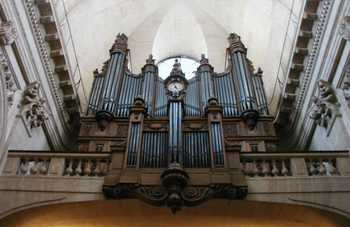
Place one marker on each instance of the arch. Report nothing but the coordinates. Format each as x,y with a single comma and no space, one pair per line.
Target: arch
134,213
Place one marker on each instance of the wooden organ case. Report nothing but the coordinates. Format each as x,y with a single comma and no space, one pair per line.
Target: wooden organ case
177,142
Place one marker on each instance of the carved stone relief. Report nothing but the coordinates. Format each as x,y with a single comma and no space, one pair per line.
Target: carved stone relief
33,106
8,33
346,84
325,105
8,76
344,28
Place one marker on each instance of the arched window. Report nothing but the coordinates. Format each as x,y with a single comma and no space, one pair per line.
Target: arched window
188,66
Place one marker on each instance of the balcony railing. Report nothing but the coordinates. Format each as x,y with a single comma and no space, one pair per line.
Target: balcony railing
58,164
295,164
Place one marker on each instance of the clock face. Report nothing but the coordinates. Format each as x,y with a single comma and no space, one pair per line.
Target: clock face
175,87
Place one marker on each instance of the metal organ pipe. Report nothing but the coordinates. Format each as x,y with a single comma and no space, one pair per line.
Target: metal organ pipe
260,93
150,73
243,76
175,131
204,71
113,77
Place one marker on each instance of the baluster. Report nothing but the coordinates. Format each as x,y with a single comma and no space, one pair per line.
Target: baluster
274,171
24,167
331,170
97,171
103,167
69,170
255,169
33,166
87,168
42,167
322,170
249,168
265,167
312,169
284,170
78,170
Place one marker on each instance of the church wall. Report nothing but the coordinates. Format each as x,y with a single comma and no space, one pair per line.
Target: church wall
337,139
19,193
25,138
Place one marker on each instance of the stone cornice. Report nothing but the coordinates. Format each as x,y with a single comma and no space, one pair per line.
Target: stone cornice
309,41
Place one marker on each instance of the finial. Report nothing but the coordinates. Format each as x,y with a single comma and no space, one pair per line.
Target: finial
203,60
150,60
235,43
260,72
233,38
96,72
120,43
177,69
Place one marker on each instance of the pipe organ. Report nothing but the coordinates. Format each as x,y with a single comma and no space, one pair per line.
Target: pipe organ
174,136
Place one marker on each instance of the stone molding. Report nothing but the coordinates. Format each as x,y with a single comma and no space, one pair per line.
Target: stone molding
44,53
316,44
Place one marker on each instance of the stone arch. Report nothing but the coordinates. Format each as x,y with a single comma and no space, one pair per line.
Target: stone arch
133,212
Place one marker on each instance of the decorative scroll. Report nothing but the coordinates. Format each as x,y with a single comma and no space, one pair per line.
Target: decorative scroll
189,196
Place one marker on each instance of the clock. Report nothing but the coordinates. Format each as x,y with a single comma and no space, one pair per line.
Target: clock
175,86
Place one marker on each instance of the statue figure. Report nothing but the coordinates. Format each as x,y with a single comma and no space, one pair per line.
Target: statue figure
33,106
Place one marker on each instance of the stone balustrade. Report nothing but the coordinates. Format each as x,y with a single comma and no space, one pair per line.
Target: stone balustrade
295,164
57,164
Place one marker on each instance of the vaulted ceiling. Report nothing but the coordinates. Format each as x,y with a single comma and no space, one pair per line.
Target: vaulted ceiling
168,28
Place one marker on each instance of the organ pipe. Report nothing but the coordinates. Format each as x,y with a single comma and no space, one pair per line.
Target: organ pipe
260,93
175,131
150,73
135,132
112,80
204,71
214,114
243,76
